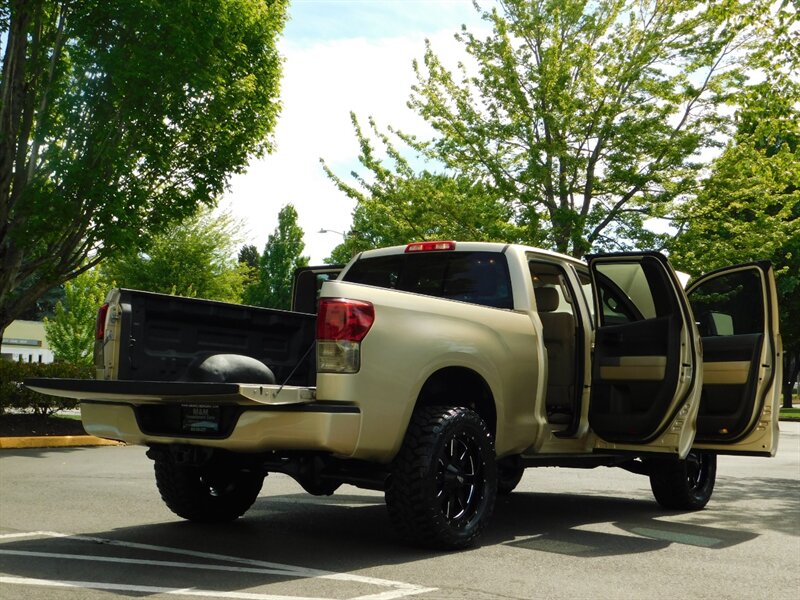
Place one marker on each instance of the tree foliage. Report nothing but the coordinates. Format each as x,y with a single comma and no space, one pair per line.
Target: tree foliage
119,118
248,254
196,258
399,205
15,397
281,257
582,118
71,331
248,260
44,306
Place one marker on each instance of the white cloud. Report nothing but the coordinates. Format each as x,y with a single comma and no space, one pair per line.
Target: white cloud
322,83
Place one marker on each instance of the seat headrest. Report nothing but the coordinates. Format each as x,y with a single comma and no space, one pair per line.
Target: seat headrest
546,299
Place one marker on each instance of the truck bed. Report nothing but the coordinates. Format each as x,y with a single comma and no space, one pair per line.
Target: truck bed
168,334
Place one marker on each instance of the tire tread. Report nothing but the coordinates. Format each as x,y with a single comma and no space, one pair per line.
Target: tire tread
186,496
407,497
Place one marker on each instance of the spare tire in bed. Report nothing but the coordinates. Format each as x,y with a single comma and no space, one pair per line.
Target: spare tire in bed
229,368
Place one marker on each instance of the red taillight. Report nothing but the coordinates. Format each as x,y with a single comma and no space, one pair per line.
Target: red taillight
347,320
100,330
430,246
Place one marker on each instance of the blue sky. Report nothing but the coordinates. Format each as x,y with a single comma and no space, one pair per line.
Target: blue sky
315,21
340,56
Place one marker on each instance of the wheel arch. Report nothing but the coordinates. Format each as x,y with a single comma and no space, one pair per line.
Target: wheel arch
460,386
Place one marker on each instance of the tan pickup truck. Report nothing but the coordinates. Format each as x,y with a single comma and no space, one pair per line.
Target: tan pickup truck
437,372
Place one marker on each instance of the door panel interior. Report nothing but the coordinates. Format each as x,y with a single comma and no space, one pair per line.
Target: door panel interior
635,373
730,372
637,387
730,311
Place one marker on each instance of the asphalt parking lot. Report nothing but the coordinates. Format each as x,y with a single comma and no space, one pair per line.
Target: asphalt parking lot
88,523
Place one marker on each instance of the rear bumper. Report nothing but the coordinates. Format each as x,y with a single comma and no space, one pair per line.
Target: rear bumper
312,426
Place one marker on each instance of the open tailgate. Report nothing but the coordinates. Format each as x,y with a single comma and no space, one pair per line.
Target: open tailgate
160,392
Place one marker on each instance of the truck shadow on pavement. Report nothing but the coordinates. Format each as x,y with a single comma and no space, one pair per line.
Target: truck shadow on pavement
595,526
296,544
288,538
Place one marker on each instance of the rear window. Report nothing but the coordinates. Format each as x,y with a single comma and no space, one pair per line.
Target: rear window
474,277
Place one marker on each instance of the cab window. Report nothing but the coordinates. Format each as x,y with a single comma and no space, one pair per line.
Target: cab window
729,304
626,292
474,277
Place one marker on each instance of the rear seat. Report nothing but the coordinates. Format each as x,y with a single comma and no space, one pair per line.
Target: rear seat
559,340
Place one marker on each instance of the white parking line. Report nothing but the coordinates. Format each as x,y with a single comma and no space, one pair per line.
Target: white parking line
147,589
398,589
140,561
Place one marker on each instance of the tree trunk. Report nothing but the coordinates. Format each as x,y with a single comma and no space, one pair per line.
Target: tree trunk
4,323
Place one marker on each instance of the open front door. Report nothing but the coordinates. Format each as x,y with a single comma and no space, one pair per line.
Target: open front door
307,283
645,380
737,314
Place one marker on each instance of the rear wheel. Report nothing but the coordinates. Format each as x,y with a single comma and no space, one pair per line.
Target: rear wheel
684,484
444,479
205,494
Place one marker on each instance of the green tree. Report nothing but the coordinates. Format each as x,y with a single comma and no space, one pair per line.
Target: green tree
749,209
196,258
119,118
399,205
248,259
71,331
248,255
584,118
749,206
281,257
45,306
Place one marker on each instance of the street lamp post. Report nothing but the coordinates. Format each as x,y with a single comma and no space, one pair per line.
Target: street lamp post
344,235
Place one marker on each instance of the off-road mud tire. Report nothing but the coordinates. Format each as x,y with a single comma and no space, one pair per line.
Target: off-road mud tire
205,496
443,485
684,484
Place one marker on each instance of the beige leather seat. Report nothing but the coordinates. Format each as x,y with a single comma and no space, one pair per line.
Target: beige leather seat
559,340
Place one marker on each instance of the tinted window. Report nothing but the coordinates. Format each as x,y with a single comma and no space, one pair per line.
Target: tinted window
730,304
475,277
632,291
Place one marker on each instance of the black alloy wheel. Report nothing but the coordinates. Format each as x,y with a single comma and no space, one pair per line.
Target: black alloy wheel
459,473
684,484
444,479
207,495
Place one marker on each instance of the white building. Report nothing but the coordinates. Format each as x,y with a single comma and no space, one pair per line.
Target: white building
26,341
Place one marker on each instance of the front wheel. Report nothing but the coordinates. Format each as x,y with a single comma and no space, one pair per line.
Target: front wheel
204,494
444,479
684,484
508,477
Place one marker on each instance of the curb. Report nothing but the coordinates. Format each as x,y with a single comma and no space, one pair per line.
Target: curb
55,441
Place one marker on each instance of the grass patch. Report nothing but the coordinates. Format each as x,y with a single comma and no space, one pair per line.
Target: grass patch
73,416
790,414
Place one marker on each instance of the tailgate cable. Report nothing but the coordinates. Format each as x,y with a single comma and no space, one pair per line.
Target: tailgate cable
297,366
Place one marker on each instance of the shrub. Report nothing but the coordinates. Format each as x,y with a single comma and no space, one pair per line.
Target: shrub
13,395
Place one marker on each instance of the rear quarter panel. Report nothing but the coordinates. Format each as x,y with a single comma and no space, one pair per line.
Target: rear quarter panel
415,336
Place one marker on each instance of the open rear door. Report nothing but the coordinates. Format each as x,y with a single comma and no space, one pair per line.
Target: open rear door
645,380
737,314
